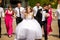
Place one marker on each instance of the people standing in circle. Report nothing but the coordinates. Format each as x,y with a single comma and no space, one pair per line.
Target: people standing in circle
29,28
37,12
1,15
49,19
8,20
19,12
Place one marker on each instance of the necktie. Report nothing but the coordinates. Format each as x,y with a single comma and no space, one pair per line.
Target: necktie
19,12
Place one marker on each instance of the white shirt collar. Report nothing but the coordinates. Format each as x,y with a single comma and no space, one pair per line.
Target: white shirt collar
39,7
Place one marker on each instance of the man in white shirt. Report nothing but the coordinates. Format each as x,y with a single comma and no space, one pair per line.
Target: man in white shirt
19,12
1,15
35,9
37,12
44,19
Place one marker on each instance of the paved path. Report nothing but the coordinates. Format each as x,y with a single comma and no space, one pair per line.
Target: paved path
53,36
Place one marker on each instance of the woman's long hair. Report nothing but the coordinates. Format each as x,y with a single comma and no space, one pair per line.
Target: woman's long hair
27,9
9,6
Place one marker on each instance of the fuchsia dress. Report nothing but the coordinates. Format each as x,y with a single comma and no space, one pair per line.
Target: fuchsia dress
8,22
49,21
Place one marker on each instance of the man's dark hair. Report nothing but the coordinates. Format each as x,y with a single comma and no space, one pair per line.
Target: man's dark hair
58,0
45,5
19,2
37,2
49,4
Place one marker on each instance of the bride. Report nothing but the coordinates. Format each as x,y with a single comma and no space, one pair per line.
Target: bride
29,28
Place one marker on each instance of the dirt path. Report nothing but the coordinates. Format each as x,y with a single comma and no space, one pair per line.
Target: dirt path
53,36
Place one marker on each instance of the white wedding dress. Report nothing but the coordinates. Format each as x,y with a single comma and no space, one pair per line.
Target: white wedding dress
28,29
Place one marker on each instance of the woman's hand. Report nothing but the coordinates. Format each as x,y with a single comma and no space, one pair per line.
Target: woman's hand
47,15
14,15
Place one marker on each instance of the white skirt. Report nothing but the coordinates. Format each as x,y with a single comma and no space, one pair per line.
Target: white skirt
29,30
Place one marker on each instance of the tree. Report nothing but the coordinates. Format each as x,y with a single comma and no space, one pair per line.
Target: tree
42,2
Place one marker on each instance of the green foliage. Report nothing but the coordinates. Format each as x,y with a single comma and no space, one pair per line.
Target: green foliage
33,2
42,2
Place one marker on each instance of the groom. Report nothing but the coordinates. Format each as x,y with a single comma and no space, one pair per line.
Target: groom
39,16
37,12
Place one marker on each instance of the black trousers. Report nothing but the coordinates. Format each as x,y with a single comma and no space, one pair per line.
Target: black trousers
0,27
59,26
18,20
44,23
39,20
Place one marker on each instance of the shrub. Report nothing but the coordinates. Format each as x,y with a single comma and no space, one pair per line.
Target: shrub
33,2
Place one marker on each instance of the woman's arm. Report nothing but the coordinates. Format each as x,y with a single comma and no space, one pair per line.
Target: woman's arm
6,11
15,12
14,15
53,15
51,10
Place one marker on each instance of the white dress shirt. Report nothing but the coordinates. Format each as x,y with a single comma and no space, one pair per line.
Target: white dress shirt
58,13
43,15
35,9
58,6
1,12
21,11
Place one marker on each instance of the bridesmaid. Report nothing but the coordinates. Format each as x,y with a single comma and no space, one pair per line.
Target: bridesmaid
8,20
49,20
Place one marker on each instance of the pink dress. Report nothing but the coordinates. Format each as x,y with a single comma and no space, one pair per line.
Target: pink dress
8,22
49,21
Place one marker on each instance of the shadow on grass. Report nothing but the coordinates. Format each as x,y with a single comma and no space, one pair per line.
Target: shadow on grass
7,34
54,35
